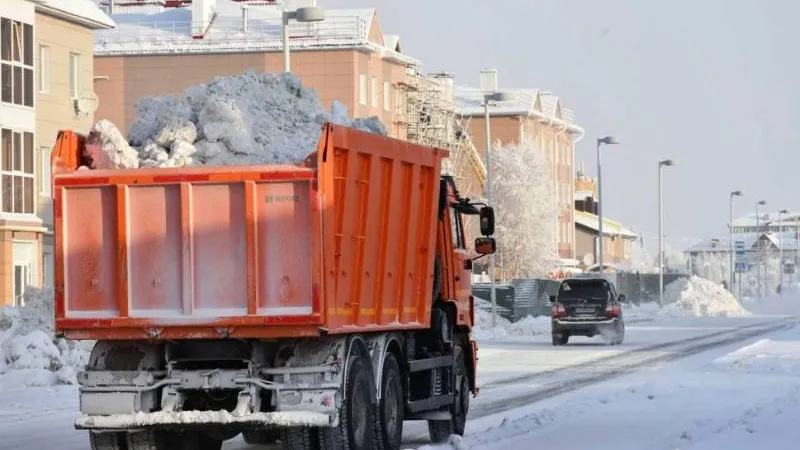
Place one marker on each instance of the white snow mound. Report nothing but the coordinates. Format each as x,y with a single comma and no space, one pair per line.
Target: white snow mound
529,326
250,118
699,297
30,355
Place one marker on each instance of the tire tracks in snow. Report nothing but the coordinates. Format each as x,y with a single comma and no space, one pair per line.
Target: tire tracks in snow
571,378
554,382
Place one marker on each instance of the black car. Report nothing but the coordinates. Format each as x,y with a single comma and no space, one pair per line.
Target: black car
586,307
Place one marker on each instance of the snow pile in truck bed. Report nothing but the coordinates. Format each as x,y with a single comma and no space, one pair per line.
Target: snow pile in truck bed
250,118
699,297
30,355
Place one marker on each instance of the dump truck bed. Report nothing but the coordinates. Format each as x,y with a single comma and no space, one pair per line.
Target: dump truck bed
344,244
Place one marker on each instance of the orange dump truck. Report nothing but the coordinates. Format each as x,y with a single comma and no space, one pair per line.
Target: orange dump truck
318,305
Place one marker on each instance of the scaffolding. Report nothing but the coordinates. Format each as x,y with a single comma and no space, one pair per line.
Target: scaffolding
426,115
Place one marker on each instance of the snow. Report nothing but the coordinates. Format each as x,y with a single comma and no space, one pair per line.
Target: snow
30,355
304,418
529,326
699,297
525,209
86,9
245,119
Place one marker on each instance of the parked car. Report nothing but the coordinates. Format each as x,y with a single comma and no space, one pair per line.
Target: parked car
587,307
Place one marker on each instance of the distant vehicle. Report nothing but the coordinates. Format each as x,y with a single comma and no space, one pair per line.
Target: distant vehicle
587,307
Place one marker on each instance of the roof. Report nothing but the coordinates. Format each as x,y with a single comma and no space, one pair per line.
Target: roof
85,12
154,29
526,102
765,218
723,243
610,227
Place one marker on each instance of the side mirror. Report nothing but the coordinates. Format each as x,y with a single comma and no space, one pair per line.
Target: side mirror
485,246
552,299
621,298
487,221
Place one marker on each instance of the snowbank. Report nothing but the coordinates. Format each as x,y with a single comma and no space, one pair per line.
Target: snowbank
699,297
29,353
528,326
250,118
764,356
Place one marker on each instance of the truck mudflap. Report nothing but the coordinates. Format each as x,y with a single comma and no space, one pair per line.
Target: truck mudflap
169,419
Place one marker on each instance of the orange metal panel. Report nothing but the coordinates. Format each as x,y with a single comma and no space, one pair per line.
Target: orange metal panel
261,251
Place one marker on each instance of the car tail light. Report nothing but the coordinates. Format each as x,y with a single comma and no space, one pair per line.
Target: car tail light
613,311
559,311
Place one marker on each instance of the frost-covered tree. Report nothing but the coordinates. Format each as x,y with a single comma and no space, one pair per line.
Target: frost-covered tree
525,210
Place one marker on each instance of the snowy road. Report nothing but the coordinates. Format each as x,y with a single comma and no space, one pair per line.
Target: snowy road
513,372
735,397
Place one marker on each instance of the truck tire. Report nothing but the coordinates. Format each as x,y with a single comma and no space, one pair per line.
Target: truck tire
440,430
389,416
261,437
107,441
298,438
356,418
166,440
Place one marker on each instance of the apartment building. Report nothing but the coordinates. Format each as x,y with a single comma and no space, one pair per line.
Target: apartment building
45,70
618,241
158,49
539,115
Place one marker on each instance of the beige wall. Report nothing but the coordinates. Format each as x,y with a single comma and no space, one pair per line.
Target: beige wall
615,249
557,145
334,74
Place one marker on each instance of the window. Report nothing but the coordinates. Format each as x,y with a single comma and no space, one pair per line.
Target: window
16,172
74,75
457,231
16,62
44,172
362,89
374,88
44,69
387,96
24,256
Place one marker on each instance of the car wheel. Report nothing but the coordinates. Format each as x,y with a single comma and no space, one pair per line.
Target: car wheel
560,339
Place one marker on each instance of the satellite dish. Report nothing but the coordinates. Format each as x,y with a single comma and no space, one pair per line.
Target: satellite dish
87,103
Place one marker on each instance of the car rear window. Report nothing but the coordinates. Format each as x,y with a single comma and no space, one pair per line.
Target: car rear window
583,290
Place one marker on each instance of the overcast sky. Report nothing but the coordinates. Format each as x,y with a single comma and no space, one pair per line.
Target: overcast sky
709,83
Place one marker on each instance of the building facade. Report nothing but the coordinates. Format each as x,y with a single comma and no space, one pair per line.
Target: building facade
155,51
45,53
537,115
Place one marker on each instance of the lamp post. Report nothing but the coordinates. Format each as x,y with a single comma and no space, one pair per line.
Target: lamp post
730,237
608,140
758,243
661,164
491,97
780,248
302,15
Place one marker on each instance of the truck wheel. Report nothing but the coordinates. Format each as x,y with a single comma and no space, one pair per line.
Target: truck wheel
440,430
389,416
296,438
165,440
107,441
262,437
356,418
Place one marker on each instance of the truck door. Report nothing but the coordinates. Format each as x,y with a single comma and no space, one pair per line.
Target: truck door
462,272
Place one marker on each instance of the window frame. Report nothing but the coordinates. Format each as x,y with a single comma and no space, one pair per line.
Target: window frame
17,176
44,69
17,63
362,89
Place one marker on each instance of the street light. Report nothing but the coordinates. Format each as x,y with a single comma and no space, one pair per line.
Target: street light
491,97
661,164
608,140
758,231
780,248
730,238
302,15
